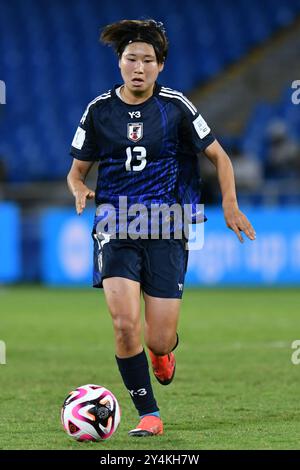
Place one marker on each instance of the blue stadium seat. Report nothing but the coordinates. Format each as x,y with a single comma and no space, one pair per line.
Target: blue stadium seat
53,64
255,141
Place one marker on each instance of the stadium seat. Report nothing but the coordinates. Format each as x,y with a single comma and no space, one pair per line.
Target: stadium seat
53,65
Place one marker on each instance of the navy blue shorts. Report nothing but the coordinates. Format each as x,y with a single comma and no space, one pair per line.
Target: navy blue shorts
158,265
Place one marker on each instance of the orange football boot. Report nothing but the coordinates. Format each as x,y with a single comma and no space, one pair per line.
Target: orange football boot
148,426
163,367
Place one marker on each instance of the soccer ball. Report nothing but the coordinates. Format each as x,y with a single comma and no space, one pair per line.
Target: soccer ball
90,413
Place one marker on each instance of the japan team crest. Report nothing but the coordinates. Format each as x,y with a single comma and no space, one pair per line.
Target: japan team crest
135,131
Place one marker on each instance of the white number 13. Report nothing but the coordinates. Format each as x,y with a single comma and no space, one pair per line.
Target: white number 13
139,154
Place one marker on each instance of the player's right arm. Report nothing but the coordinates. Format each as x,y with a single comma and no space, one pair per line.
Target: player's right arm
84,150
76,183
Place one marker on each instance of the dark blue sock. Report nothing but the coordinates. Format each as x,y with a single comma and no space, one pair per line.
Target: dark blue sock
135,374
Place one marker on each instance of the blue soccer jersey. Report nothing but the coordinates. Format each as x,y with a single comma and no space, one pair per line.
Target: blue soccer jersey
147,152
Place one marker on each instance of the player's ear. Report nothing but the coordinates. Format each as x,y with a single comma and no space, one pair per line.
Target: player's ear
161,67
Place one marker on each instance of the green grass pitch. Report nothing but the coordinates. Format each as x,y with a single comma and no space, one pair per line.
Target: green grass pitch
235,384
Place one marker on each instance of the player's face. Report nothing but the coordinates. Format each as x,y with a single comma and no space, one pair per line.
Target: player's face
139,68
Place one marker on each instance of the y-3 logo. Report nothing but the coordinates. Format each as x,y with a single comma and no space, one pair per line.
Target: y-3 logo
140,392
135,114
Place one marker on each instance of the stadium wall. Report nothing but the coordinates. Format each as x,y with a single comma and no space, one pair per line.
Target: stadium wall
64,254
273,259
10,243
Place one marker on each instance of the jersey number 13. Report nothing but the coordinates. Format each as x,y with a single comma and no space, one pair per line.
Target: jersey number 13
138,154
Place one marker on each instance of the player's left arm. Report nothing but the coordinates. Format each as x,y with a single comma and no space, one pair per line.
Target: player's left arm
235,219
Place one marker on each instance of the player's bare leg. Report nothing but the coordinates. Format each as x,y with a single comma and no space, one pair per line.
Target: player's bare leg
123,300
161,321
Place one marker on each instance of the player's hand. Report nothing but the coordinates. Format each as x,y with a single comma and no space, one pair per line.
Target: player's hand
238,222
81,195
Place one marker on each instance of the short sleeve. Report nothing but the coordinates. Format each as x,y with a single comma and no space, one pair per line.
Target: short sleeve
84,145
195,131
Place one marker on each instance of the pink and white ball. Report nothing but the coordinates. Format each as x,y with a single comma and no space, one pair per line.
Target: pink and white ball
90,413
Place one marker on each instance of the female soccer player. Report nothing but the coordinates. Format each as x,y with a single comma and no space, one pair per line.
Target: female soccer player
145,138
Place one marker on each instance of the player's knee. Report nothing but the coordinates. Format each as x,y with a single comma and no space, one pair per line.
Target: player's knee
127,331
126,326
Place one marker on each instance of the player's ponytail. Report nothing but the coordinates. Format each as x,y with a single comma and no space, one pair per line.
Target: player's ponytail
120,34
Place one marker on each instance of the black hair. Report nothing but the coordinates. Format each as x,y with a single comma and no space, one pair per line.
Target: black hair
120,34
